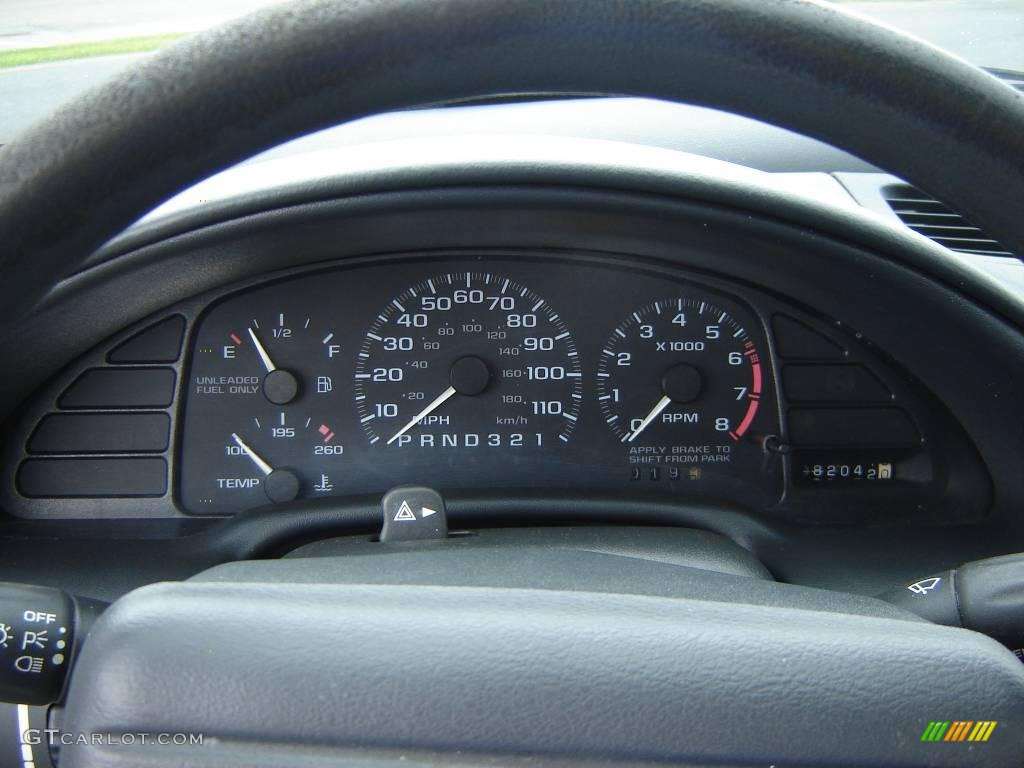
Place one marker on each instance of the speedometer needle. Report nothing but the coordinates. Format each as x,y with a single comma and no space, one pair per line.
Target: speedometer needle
267,362
434,405
655,412
265,468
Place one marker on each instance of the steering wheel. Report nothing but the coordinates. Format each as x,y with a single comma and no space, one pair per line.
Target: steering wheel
480,670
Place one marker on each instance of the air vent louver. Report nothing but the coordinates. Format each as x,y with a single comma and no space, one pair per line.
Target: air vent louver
929,217
1011,78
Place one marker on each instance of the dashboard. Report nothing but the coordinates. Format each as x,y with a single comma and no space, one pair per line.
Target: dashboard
144,437
513,372
598,414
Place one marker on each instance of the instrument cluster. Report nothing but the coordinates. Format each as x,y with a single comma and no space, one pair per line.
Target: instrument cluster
517,374
520,376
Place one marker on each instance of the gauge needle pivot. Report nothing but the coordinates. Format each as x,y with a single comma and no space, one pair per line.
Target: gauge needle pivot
655,412
433,406
265,468
267,362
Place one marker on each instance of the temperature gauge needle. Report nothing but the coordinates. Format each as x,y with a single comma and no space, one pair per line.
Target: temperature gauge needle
265,468
267,362
280,484
655,412
434,405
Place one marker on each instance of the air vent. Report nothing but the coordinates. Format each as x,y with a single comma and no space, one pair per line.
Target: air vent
1011,78
929,217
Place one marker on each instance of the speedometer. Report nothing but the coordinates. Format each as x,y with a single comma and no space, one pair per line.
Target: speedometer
681,375
468,360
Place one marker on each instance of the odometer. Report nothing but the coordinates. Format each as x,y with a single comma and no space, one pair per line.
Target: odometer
468,360
680,373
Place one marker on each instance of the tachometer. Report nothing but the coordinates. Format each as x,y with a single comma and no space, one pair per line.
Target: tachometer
468,360
680,375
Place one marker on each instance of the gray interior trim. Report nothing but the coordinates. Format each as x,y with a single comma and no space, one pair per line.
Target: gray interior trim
543,673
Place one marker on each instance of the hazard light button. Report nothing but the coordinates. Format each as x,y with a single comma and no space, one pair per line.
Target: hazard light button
412,513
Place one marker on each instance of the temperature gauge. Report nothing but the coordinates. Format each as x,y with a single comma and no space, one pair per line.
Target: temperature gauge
262,412
261,460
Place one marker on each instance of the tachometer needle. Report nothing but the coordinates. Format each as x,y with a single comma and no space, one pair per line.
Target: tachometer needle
434,405
267,362
655,412
265,468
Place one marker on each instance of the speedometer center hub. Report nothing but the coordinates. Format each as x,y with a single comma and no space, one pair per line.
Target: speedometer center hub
470,375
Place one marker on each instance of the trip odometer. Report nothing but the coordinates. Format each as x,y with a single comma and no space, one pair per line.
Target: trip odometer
680,374
468,360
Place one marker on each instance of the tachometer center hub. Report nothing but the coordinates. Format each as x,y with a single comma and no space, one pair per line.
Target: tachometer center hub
682,383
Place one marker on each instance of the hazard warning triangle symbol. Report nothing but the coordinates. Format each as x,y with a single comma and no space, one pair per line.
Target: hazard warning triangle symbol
404,512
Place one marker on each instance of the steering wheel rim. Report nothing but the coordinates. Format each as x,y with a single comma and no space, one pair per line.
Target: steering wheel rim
224,95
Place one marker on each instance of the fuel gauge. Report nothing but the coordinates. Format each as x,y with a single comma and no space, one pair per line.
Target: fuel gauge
265,358
262,412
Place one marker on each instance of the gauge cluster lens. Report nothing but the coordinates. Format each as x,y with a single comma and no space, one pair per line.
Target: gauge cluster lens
522,375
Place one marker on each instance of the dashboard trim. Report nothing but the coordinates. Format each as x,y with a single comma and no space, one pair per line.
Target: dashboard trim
761,304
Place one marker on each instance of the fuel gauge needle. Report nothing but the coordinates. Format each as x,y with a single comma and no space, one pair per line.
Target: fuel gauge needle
434,405
267,362
655,412
265,468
